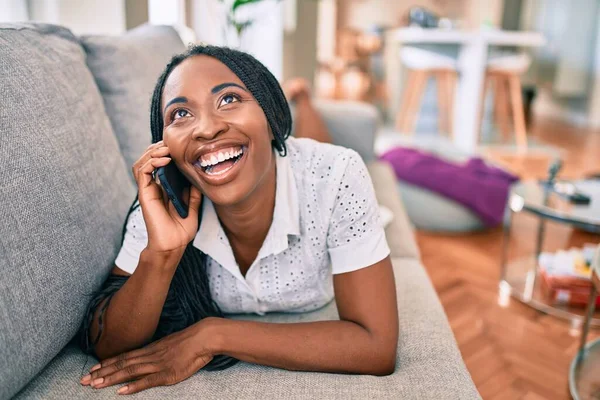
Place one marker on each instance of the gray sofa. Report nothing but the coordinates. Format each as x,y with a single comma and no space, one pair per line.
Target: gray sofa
73,117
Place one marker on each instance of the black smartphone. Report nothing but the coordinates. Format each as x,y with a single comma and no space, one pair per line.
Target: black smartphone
173,181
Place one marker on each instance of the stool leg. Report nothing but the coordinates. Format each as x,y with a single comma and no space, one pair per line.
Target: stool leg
442,95
501,105
516,98
419,81
405,103
450,87
486,86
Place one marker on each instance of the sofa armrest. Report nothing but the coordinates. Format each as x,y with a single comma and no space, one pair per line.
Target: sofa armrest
350,124
399,232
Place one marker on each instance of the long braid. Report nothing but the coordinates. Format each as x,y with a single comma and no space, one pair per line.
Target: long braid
189,299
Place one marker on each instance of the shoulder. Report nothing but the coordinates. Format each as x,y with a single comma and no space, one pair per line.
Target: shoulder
321,161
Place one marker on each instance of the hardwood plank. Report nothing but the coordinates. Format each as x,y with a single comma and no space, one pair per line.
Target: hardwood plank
512,351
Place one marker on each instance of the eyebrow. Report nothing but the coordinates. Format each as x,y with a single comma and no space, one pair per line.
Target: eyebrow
175,100
222,86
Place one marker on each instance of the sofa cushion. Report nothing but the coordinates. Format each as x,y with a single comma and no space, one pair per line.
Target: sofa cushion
351,124
64,193
126,69
429,365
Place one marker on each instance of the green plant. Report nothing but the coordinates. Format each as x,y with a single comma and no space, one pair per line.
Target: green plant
239,26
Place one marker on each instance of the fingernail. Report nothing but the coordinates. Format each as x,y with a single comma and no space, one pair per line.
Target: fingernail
86,379
95,367
97,381
122,390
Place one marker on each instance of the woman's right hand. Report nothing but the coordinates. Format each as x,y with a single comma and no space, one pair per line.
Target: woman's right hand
167,231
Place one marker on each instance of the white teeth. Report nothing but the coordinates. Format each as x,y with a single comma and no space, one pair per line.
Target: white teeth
219,157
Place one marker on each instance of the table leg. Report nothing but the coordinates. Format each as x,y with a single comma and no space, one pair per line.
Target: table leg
468,98
591,307
505,245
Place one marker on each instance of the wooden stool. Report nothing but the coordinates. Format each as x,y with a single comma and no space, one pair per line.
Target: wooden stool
504,75
422,65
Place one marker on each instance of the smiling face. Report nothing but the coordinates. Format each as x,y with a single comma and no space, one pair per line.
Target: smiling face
215,130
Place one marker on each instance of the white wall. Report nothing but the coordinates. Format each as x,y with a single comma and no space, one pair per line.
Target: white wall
13,11
264,39
594,103
97,17
166,12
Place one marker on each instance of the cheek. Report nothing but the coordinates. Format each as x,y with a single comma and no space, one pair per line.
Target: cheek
176,142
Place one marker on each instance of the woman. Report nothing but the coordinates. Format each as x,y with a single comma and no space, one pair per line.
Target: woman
273,225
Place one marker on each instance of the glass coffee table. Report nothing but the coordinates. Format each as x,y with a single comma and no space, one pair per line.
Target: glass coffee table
520,276
584,376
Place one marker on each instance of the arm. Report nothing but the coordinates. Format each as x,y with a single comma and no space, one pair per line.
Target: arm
133,313
134,310
364,341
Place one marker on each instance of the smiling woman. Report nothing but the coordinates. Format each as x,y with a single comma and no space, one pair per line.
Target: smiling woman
275,224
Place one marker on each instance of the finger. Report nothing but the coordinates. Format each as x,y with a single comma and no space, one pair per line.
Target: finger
138,353
146,382
165,196
118,365
144,173
194,199
153,153
157,149
127,374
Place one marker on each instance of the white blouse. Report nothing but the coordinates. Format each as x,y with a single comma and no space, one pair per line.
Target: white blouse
326,221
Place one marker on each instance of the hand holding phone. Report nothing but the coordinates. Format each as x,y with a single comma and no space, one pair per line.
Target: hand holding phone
171,224
174,183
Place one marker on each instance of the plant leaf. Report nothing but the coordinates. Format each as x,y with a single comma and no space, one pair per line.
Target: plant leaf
239,3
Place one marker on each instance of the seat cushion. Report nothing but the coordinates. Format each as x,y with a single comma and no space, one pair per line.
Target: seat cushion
126,69
64,192
429,365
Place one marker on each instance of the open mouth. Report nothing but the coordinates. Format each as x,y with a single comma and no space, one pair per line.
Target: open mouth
221,161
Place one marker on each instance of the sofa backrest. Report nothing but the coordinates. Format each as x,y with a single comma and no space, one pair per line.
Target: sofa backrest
126,69
64,193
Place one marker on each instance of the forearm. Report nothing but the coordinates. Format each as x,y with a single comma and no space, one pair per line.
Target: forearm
309,123
134,311
327,346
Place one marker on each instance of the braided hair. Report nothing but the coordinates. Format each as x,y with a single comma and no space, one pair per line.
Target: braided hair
189,299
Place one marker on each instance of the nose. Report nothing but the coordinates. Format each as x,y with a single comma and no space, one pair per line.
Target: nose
209,127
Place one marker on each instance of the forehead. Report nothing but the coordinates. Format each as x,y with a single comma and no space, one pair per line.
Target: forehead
197,73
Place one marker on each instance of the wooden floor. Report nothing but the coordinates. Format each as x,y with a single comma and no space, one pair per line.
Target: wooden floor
511,351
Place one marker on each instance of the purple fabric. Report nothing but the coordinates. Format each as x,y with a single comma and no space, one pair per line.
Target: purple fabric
481,188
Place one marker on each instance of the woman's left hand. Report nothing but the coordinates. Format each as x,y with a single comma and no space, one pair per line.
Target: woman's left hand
167,361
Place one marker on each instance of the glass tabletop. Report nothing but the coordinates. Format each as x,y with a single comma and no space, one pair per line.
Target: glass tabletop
584,380
534,196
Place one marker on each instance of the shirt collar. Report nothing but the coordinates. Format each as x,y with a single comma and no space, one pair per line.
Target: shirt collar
211,238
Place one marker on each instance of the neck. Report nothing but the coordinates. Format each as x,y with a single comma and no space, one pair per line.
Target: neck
249,221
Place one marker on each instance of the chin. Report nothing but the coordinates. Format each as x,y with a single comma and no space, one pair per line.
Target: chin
226,195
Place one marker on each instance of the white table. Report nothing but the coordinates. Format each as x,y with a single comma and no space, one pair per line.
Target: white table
471,62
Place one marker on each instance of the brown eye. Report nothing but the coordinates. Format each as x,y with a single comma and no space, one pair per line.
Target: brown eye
228,99
181,113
